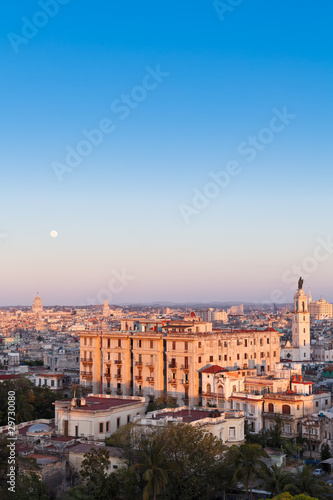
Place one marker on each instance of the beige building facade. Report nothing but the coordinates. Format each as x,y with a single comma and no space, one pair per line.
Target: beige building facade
166,359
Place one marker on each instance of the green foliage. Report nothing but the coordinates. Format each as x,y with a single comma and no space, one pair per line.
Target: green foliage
31,402
36,362
288,496
325,452
153,467
275,479
305,483
164,401
248,464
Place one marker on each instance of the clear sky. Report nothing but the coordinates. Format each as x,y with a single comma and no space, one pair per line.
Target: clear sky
187,89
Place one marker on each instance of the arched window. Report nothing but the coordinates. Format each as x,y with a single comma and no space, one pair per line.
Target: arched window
234,388
271,408
220,390
208,388
286,409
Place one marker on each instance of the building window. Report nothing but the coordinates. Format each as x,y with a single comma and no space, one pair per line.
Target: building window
271,408
286,409
220,357
261,354
173,346
255,355
297,407
118,422
109,343
238,342
267,354
245,343
326,401
211,359
186,346
107,426
317,404
151,344
225,357
139,343
267,341
225,344
237,356
101,427
303,318
119,342
52,383
128,418
199,345
199,359
287,428
303,330
274,354
254,341
232,432
85,341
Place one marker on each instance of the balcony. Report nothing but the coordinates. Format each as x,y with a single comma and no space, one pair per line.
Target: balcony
118,376
86,360
86,374
138,378
151,365
172,381
173,366
107,375
139,393
185,382
138,364
209,395
284,416
108,361
150,379
118,362
185,368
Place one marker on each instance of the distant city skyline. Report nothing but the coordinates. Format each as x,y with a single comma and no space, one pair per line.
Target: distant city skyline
190,149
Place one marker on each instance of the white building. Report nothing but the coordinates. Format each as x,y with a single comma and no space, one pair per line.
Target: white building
96,416
225,425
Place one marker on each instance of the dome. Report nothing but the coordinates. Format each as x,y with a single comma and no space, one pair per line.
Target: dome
38,428
37,305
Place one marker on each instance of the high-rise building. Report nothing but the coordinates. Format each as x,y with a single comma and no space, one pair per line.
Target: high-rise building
320,309
106,309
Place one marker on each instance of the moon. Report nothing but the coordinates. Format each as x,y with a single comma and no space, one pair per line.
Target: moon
53,234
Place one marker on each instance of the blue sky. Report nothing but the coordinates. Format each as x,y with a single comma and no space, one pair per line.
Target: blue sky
120,207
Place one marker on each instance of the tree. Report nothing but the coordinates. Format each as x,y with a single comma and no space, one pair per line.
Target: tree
94,469
274,436
304,482
275,479
154,468
127,440
248,464
325,452
288,496
194,456
164,401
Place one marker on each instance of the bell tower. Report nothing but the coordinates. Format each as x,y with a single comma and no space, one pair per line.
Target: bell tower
301,324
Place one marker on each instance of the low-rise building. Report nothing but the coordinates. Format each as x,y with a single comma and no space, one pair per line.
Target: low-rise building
96,416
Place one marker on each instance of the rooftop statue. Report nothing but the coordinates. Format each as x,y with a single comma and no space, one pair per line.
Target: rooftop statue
300,283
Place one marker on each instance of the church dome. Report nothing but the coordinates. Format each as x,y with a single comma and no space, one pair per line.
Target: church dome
37,305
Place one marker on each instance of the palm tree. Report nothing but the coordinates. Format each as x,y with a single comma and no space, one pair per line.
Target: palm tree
304,482
154,468
275,479
249,466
